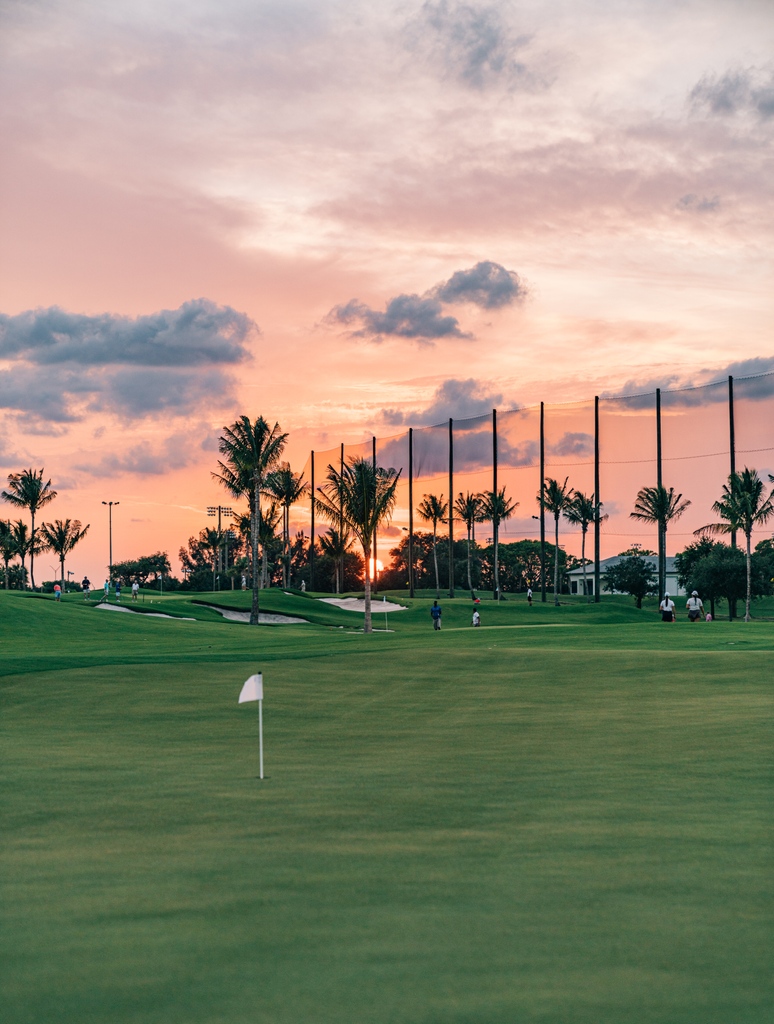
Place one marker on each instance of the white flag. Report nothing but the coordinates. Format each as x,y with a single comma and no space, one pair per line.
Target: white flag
253,689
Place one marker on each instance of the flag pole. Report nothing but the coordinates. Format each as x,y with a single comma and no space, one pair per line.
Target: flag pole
260,735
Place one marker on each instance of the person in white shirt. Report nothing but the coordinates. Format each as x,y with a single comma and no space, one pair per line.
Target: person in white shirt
694,606
667,609
476,618
135,590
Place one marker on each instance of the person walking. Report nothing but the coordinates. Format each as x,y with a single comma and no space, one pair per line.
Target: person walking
476,618
694,606
435,613
135,590
86,587
107,590
667,609
118,591
529,596
57,592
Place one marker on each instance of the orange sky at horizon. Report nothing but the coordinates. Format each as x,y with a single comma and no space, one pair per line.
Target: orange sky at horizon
352,220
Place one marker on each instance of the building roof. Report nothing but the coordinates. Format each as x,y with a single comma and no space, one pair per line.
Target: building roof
607,563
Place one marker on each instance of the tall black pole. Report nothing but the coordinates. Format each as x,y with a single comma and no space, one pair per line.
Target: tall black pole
731,440
341,520
451,508
376,574
596,499
495,523
542,503
311,540
411,512
660,484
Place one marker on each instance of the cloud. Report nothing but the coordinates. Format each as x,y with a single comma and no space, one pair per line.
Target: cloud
64,365
745,90
488,285
198,333
405,316
573,444
470,42
459,399
176,452
753,378
698,204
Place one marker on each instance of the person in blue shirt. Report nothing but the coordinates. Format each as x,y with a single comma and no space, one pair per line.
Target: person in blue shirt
435,612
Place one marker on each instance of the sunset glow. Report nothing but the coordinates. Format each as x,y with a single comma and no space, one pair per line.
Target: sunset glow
354,219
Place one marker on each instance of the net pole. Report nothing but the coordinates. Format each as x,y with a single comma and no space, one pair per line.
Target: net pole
496,580
660,484
376,574
341,521
596,499
542,504
451,507
731,441
411,512
311,539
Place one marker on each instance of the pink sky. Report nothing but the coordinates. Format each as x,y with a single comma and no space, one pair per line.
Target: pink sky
297,172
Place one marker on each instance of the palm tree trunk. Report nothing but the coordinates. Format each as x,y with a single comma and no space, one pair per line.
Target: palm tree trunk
61,562
497,559
749,582
556,559
367,628
435,560
285,530
32,549
470,583
255,523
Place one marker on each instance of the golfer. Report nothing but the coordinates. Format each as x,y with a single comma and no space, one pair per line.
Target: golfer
476,618
667,609
118,590
86,587
107,590
529,596
135,590
694,606
435,613
57,592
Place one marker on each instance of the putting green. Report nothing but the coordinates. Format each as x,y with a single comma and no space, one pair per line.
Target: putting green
505,825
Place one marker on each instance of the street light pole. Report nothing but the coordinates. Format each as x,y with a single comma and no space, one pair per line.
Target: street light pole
110,505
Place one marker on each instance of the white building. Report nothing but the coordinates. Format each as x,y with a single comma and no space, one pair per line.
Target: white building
575,576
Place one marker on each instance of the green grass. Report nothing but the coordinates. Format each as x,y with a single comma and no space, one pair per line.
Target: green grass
567,823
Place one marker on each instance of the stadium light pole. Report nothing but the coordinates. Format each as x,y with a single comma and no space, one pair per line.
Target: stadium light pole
110,505
218,510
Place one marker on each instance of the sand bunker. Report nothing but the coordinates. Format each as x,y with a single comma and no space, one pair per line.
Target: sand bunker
357,604
265,618
135,611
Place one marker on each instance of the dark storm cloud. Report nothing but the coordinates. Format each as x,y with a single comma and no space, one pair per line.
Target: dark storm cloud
198,333
420,317
470,42
177,391
573,444
406,316
488,285
459,399
749,89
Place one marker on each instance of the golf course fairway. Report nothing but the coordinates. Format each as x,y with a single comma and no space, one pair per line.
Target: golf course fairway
564,817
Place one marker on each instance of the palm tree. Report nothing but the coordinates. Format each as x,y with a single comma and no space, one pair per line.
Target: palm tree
288,487
61,537
336,545
267,531
210,540
583,511
556,499
361,496
468,509
27,490
8,549
22,543
433,510
660,506
496,507
742,507
251,451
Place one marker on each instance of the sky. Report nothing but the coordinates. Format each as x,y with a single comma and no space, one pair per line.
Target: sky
353,218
